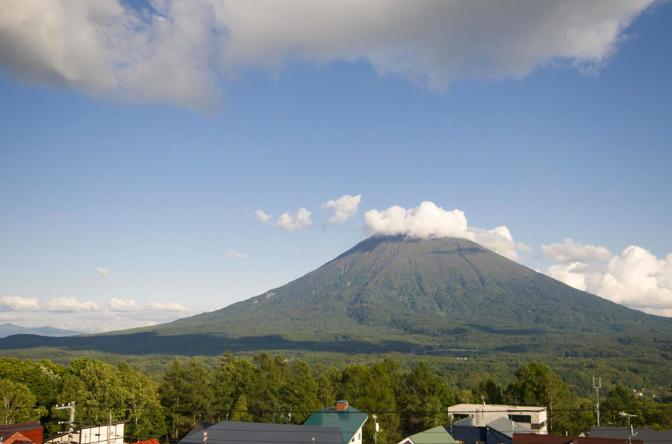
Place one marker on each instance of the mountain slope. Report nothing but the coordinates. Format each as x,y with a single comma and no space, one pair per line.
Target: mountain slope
395,286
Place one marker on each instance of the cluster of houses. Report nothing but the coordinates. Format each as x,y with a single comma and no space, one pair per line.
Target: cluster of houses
343,424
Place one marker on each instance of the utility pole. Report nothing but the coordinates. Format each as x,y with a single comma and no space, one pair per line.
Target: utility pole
597,385
71,421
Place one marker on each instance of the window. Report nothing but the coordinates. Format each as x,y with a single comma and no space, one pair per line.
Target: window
521,418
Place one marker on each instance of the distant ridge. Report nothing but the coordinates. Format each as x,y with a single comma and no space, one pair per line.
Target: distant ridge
8,329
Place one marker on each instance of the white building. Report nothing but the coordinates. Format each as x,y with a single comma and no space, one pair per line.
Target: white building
535,418
105,434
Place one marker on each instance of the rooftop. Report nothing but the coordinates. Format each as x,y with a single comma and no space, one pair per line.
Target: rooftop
347,421
263,433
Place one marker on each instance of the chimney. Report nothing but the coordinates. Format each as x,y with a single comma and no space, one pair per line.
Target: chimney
341,406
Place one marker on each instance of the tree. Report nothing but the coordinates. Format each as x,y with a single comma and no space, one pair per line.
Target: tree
17,403
423,400
490,391
537,385
264,400
239,411
144,410
299,393
372,389
621,399
187,394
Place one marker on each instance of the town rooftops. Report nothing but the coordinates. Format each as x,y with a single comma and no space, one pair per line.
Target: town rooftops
345,418
647,436
436,435
531,438
262,433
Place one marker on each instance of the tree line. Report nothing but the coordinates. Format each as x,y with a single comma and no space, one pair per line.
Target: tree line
269,388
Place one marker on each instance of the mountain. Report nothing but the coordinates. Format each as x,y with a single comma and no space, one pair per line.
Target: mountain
399,286
438,296
11,329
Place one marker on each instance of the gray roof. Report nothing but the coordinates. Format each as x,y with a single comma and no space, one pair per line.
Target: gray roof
503,425
229,432
507,427
647,436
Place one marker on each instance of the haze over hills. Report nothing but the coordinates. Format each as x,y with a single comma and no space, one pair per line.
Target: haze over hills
8,329
402,294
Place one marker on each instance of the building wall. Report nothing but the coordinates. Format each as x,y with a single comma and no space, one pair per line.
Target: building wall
107,434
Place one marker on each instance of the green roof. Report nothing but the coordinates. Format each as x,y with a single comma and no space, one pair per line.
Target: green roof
348,422
436,435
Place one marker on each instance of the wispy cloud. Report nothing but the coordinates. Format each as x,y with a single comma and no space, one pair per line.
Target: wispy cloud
70,305
236,255
295,221
17,303
263,216
343,208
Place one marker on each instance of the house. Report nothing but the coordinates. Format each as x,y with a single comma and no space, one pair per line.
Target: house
646,436
23,432
230,432
348,420
498,431
436,435
112,433
531,438
534,418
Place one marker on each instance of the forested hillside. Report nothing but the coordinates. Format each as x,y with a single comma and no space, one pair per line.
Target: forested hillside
276,389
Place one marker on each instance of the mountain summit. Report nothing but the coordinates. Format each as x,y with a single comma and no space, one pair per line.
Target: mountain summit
436,296
398,285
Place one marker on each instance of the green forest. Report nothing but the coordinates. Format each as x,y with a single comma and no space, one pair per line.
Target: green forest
267,388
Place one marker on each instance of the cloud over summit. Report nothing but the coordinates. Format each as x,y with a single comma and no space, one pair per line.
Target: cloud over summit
428,220
178,51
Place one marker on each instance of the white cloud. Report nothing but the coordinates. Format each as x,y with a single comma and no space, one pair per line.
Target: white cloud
172,307
290,222
104,272
178,51
17,303
570,250
635,277
233,254
263,216
343,208
116,304
428,221
70,305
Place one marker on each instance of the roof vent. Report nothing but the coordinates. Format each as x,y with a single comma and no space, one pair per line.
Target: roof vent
341,406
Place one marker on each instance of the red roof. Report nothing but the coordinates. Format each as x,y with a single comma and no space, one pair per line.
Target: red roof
148,441
17,438
531,438
32,431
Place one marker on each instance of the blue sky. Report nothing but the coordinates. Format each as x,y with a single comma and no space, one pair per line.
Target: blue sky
162,195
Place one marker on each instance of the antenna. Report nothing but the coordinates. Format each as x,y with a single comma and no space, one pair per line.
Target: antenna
628,416
597,385
376,429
